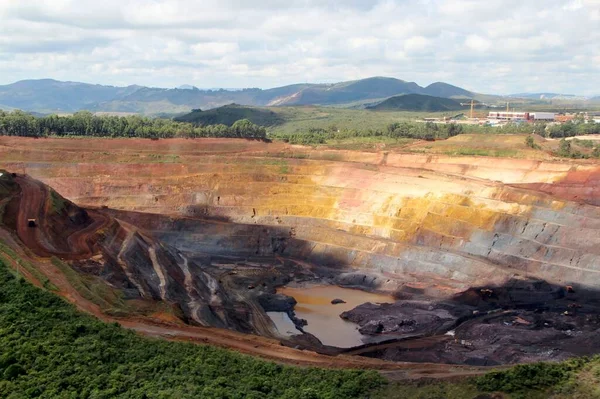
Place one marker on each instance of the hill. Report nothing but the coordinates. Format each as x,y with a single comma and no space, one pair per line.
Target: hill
347,92
440,89
417,102
52,96
229,114
48,95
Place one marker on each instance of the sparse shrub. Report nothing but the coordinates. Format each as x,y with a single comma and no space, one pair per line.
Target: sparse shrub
530,142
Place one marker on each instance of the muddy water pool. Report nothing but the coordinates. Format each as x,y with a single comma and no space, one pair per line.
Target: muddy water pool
324,322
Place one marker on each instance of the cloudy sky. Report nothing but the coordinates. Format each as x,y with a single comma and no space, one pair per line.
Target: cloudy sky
491,46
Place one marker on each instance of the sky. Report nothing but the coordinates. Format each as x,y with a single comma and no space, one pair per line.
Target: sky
491,46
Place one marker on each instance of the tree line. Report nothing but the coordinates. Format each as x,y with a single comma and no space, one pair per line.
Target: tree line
83,123
405,129
577,127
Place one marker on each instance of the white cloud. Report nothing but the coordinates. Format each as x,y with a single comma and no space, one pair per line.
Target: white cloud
487,46
478,43
417,44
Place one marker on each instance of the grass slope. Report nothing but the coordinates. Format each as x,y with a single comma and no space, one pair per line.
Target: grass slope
229,114
417,102
50,350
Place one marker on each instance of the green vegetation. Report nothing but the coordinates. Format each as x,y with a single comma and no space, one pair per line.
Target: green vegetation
428,390
418,102
368,143
163,158
6,251
584,143
59,204
397,130
301,119
530,142
482,153
229,114
93,289
568,149
576,127
527,377
18,123
50,350
576,378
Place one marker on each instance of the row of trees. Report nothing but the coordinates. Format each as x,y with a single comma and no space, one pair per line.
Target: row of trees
18,123
415,130
577,127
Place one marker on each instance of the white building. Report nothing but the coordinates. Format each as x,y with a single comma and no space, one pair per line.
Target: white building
521,116
542,116
509,116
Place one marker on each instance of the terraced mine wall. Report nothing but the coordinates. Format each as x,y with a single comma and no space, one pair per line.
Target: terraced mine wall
399,221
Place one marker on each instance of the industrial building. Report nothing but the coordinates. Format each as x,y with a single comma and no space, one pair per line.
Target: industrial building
521,116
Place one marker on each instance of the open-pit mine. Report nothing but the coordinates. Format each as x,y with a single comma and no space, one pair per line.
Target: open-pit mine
369,257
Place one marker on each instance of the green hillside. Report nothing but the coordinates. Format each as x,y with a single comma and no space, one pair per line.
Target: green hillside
348,92
441,89
417,102
229,114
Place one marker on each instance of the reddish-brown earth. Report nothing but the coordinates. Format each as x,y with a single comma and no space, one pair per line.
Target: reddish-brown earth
483,246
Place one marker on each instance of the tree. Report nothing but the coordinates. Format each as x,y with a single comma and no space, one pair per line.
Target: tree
564,148
530,142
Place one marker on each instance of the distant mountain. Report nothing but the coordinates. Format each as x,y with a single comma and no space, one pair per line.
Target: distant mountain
229,114
548,96
417,102
348,92
187,87
49,95
440,89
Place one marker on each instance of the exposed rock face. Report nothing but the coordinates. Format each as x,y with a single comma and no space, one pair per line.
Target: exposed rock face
404,318
337,301
454,220
489,325
418,226
276,302
123,255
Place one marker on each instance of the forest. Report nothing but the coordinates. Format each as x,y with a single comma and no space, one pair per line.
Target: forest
48,349
83,123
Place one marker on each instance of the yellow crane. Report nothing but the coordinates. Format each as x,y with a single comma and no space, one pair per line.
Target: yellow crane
472,104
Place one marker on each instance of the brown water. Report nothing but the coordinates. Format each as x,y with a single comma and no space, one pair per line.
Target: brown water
324,322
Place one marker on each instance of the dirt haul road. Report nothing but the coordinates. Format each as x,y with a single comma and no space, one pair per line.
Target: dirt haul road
33,205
